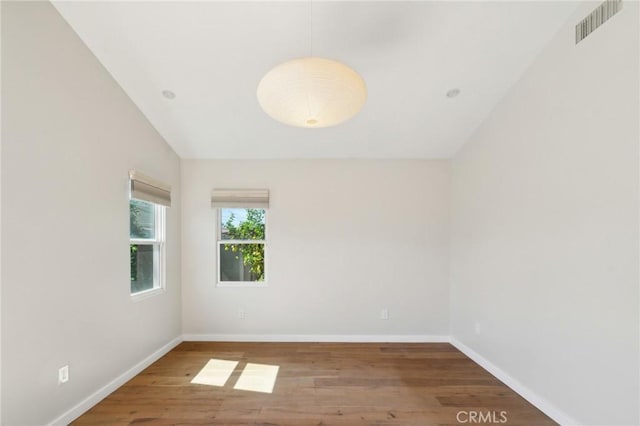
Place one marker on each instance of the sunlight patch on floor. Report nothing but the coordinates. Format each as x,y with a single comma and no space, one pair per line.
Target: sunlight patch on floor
258,378
215,373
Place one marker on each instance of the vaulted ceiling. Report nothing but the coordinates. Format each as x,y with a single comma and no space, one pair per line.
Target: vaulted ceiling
213,54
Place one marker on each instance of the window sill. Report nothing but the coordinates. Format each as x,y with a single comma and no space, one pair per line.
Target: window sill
136,297
241,284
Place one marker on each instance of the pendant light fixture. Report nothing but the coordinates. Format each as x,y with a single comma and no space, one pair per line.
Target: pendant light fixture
312,91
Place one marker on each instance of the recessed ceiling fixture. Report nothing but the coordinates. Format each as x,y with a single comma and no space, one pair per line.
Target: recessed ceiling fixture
312,91
168,94
453,93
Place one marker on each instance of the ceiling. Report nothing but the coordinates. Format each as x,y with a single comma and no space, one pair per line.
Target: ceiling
213,54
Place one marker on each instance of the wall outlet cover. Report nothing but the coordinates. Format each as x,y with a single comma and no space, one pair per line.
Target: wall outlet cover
63,374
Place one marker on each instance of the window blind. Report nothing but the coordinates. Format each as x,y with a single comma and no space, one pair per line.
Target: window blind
145,188
240,198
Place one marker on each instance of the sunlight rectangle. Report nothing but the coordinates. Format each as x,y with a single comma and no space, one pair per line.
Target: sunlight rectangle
215,373
258,378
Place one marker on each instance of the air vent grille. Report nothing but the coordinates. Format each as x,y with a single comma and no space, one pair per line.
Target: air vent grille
596,18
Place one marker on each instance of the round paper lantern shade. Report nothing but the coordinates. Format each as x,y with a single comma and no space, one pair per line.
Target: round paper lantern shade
312,92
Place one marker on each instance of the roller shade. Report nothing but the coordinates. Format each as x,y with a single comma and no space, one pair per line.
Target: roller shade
240,198
148,189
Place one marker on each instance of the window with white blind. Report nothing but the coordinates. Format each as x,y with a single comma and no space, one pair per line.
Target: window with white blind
147,233
241,236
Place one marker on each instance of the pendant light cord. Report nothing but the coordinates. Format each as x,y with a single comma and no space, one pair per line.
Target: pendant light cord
311,26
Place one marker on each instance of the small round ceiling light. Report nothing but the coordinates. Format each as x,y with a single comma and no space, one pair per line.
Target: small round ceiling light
453,93
312,92
168,94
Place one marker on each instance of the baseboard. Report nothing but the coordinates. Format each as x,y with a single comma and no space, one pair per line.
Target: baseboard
335,338
101,393
539,402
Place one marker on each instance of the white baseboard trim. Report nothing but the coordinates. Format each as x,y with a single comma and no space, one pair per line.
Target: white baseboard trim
104,391
332,338
538,401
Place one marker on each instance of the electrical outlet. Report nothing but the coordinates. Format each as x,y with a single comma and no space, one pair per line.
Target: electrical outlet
241,314
477,327
384,314
63,374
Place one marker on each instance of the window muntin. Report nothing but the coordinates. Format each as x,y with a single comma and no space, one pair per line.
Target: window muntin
241,245
146,246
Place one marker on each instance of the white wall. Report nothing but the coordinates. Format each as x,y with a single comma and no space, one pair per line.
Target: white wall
545,227
69,137
345,239
0,221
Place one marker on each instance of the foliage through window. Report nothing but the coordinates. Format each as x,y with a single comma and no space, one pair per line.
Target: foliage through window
241,243
146,245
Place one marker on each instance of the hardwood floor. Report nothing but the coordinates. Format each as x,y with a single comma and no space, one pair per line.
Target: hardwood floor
319,384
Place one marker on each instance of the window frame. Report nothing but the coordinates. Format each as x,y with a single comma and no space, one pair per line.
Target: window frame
220,242
159,252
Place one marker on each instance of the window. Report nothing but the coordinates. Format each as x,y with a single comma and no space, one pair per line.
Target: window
146,246
241,245
148,200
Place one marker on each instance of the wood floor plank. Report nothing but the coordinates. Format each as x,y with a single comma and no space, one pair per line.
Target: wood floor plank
317,384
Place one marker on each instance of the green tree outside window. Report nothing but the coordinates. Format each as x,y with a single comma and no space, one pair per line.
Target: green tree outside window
250,229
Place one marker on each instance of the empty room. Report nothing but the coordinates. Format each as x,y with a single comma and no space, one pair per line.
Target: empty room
320,213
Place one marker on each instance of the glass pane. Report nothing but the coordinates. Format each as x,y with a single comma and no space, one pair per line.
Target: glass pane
242,262
242,224
142,219
141,267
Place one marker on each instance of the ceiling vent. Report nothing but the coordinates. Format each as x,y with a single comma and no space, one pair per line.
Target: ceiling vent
596,18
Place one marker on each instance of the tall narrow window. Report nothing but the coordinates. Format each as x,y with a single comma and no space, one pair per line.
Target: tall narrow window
241,245
146,222
147,205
